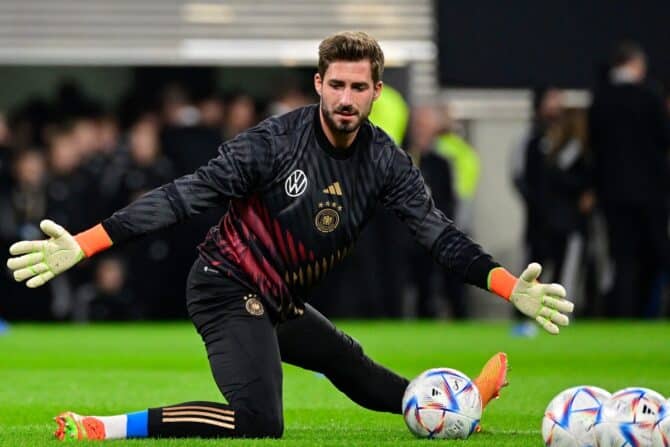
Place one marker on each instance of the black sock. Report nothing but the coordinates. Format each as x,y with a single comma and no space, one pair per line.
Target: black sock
192,419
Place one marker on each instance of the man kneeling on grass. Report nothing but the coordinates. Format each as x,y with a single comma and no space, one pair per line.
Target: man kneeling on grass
301,187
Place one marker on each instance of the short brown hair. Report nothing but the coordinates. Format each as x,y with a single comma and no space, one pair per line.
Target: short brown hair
351,46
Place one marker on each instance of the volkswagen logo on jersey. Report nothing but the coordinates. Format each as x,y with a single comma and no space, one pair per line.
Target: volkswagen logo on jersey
296,183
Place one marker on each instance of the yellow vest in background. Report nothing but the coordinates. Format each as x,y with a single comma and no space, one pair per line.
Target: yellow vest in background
391,113
464,161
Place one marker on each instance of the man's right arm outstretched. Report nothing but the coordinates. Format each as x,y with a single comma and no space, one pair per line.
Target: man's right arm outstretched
242,165
406,194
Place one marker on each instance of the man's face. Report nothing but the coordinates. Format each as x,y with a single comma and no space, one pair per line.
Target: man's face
347,92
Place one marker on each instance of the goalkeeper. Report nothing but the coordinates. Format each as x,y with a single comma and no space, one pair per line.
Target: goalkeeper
301,187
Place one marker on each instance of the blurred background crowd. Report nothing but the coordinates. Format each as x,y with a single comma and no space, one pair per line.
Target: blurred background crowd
76,162
591,179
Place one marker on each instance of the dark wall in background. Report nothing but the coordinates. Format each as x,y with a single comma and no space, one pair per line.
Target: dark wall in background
521,43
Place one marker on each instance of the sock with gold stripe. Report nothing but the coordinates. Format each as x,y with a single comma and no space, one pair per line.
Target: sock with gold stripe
192,419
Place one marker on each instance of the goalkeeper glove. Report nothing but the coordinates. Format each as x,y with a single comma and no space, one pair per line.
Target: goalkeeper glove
41,261
545,303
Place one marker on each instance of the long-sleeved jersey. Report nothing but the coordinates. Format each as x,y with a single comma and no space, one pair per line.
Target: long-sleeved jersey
297,205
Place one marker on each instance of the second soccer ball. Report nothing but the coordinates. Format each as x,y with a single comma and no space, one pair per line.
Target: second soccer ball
570,417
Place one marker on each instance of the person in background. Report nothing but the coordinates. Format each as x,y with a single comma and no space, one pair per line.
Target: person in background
241,114
176,106
109,134
25,204
108,297
22,206
567,189
212,110
68,188
528,171
67,184
191,131
288,98
27,124
425,126
628,127
529,167
464,163
151,260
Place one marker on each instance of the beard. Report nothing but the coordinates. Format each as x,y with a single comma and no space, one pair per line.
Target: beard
343,127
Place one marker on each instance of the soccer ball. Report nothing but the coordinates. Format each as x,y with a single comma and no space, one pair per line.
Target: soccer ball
628,418
442,403
661,434
570,416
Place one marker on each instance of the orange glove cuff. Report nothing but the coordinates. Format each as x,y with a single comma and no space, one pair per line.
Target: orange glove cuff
501,282
93,240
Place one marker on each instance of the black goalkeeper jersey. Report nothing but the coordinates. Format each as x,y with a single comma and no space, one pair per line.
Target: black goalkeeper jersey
297,206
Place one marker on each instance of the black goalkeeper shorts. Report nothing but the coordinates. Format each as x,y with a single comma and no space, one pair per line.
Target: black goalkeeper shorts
246,346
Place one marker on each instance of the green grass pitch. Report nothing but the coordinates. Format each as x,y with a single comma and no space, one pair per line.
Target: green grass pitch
109,369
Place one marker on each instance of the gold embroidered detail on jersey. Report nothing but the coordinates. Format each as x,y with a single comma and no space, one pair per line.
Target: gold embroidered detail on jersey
253,305
328,217
333,189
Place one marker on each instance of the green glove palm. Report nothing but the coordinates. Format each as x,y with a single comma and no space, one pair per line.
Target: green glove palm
40,261
545,303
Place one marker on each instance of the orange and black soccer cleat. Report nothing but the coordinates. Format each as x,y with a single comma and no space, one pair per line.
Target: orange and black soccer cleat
73,427
492,378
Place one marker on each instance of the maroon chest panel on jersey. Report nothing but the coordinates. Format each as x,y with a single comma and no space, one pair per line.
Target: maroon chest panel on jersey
287,237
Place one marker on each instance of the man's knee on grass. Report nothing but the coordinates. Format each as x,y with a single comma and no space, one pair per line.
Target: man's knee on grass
259,424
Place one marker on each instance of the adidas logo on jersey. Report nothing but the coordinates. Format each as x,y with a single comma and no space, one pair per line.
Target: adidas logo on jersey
334,189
